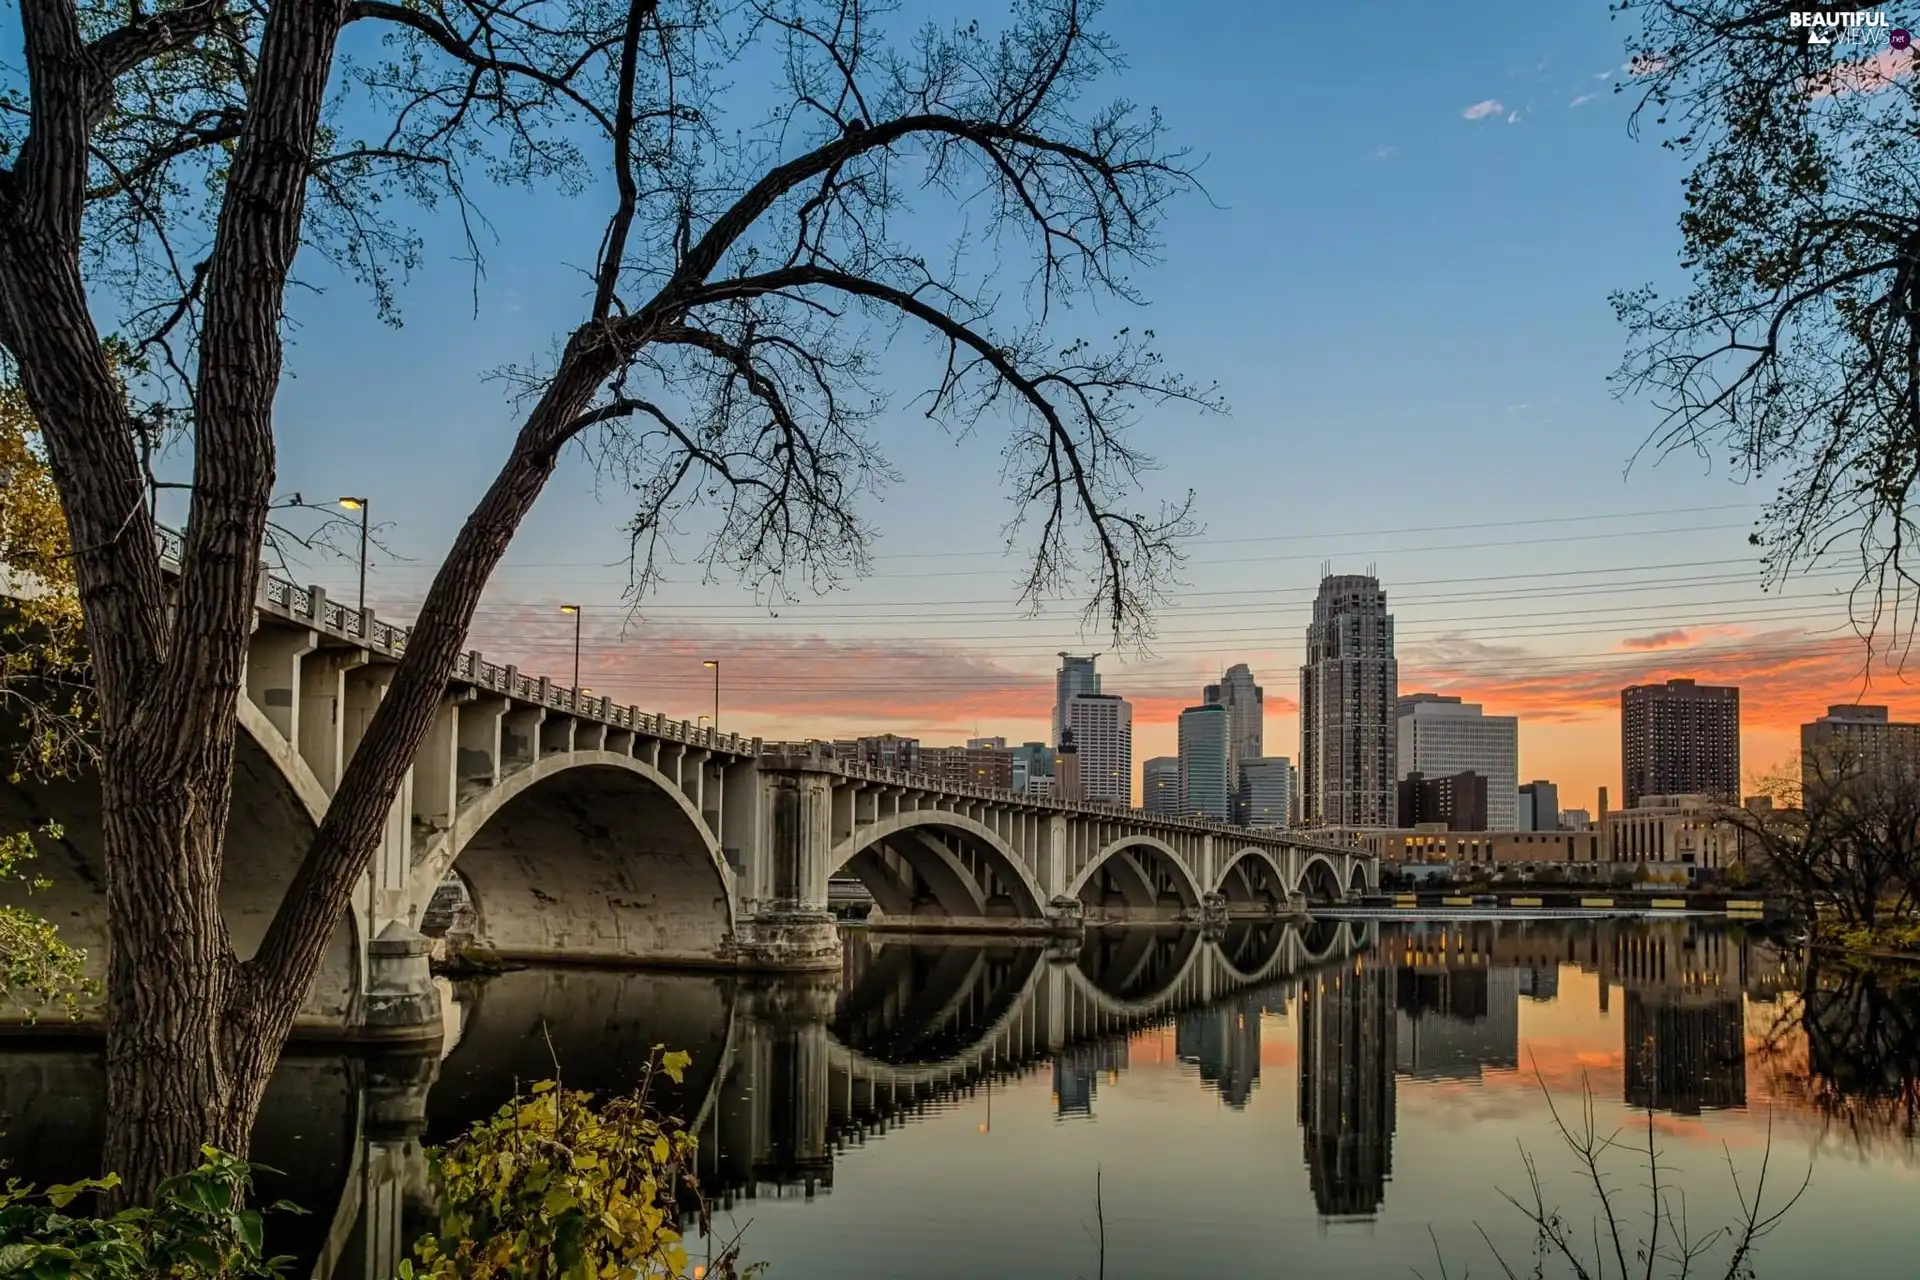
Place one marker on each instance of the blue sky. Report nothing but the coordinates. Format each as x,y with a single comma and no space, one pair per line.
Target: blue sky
1402,292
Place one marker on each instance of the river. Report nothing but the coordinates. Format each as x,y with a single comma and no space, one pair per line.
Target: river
1271,1101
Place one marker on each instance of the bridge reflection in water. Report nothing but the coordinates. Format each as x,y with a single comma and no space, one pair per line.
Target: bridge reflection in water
787,1075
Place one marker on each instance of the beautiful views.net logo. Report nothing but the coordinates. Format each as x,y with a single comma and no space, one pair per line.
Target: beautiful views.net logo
1857,27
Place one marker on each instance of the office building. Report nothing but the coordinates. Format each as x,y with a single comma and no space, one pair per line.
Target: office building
1452,802
1204,752
1576,820
1076,676
1102,727
1849,739
1033,768
1245,702
882,751
1160,785
1349,692
1539,807
972,766
1679,738
1267,791
1437,736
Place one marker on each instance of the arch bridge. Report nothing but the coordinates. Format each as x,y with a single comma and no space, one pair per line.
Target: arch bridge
574,829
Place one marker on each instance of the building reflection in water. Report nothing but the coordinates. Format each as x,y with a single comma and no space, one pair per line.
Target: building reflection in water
1347,1031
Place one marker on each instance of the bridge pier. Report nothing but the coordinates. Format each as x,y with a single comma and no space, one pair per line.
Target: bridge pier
784,921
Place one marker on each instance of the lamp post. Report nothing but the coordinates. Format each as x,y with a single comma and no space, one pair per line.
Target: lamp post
360,505
574,609
715,664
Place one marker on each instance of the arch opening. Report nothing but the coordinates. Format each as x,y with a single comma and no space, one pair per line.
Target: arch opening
595,862
1137,880
1250,947
938,868
1136,966
1252,882
1319,882
270,823
1357,882
907,1004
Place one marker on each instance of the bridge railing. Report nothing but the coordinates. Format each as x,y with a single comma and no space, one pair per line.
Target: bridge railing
310,605
819,753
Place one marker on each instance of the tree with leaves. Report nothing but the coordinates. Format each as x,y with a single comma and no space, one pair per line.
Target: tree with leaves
1794,349
164,165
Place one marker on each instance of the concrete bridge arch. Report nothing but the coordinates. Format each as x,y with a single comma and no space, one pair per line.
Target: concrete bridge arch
1120,879
1252,874
907,863
1320,880
589,853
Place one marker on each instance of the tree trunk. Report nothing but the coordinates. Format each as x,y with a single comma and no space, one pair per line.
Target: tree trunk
169,976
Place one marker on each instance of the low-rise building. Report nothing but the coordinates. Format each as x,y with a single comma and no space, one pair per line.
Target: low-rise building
1433,843
1687,830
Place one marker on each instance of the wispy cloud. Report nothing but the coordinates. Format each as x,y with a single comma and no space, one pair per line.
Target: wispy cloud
1385,151
1583,100
1482,109
1513,118
1603,75
1659,640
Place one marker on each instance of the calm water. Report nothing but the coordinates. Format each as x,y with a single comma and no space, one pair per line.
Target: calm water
1270,1102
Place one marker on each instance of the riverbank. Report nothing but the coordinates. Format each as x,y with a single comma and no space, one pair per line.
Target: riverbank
1884,943
1576,901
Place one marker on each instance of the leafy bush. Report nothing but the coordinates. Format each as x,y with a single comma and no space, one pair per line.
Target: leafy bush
551,1186
37,969
199,1228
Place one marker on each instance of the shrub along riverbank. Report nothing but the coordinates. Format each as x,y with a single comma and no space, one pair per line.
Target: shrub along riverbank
550,1186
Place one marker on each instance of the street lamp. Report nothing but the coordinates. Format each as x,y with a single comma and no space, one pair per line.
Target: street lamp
574,609
360,505
715,664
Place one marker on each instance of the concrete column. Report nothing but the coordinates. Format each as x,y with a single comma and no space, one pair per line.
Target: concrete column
436,770
740,822
402,1000
520,736
589,735
322,716
273,674
479,739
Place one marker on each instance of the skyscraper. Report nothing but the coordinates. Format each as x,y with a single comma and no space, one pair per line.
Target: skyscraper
1849,740
1102,725
1438,736
1349,693
1160,783
1680,738
1267,785
1245,702
1076,676
1205,748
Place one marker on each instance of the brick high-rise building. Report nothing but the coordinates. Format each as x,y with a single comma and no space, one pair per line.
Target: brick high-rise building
1349,697
1680,738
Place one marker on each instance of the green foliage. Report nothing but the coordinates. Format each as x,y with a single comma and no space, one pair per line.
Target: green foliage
44,680
198,1228
37,969
551,1186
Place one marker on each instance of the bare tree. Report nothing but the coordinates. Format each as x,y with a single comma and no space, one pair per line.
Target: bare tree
1848,840
1618,1238
165,166
1794,352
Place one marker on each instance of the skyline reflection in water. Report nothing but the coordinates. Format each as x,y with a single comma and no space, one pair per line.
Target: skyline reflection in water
1272,1100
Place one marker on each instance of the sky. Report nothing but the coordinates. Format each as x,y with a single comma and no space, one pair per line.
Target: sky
1399,280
